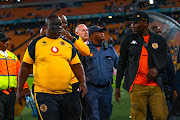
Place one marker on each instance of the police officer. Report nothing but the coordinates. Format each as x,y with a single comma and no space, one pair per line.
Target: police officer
98,68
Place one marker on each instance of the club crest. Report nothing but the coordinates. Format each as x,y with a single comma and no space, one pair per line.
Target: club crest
155,45
43,108
62,43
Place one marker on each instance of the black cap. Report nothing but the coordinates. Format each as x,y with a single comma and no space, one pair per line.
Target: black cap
140,16
3,37
96,29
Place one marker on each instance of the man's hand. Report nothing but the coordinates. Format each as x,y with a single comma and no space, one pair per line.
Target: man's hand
65,34
19,96
152,73
117,94
83,87
175,94
26,91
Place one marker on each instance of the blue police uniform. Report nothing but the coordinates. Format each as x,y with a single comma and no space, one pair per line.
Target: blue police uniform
98,68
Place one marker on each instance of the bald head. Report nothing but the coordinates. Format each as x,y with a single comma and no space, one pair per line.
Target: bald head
156,29
42,31
82,31
64,22
50,17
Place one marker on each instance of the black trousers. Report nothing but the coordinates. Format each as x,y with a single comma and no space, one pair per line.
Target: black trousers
53,106
75,102
7,103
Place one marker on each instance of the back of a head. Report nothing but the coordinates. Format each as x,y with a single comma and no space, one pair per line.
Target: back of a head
156,29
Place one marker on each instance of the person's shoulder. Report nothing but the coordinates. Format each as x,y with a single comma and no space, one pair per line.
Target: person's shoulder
158,37
11,53
67,41
129,36
110,46
34,41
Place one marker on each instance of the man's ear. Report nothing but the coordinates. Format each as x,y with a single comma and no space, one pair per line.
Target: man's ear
146,23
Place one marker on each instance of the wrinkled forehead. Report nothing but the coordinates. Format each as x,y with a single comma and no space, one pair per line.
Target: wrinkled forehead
83,27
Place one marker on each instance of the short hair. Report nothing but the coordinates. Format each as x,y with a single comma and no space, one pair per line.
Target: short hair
154,27
51,17
77,27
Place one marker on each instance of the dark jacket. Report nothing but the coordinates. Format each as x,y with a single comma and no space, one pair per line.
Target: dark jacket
168,75
130,52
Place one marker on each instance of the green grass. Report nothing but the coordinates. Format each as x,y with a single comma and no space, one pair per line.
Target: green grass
120,111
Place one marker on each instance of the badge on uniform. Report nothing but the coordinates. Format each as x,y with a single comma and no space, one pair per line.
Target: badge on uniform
43,108
91,54
155,45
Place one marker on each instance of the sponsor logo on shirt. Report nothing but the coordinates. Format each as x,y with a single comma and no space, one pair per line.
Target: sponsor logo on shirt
44,43
54,49
155,45
133,42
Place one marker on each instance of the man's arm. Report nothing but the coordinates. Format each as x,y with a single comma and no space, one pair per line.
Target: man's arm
79,73
78,43
123,58
82,47
23,75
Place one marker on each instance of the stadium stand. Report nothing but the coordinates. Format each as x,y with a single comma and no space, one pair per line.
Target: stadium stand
116,27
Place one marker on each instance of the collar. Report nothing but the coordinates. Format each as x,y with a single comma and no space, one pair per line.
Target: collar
97,45
4,53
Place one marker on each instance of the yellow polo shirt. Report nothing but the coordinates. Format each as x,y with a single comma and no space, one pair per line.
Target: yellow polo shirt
84,50
52,59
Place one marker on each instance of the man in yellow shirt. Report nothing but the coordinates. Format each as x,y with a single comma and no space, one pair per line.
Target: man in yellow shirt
84,50
53,59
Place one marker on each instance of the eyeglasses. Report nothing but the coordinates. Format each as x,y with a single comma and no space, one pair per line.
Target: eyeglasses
5,41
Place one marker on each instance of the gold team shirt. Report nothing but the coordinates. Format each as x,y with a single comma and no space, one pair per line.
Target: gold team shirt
83,50
51,59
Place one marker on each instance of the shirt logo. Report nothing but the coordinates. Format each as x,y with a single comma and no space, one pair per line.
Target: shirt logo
44,43
54,49
43,108
155,45
62,43
134,42
91,54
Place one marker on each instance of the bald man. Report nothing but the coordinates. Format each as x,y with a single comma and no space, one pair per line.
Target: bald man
156,29
42,31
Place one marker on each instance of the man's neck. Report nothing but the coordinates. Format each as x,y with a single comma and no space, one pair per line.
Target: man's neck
146,32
